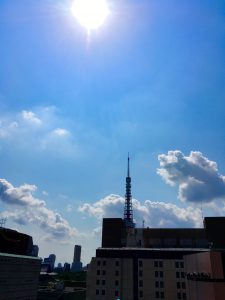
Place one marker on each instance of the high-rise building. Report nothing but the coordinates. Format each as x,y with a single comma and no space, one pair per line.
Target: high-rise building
157,263
35,250
77,264
66,267
49,263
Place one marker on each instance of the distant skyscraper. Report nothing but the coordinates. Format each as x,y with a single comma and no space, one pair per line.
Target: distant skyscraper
128,210
66,267
77,253
77,264
35,250
50,261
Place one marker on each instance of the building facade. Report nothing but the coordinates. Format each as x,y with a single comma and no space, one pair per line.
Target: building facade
19,270
157,263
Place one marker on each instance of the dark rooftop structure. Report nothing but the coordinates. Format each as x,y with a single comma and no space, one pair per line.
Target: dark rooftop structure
14,242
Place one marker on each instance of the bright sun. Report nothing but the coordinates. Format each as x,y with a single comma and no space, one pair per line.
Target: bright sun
90,13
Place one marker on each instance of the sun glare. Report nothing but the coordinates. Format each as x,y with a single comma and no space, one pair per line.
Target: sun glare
90,13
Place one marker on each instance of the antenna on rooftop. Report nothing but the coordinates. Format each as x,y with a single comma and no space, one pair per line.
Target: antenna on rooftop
2,222
143,223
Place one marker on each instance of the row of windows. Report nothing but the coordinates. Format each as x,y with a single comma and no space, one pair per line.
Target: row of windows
180,275
181,296
179,264
159,295
159,284
103,263
159,264
103,272
98,281
159,274
102,292
99,272
181,285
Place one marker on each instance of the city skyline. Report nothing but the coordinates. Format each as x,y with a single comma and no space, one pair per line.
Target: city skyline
150,80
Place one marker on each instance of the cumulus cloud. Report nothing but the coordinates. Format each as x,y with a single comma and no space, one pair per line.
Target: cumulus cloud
196,177
24,208
155,214
31,117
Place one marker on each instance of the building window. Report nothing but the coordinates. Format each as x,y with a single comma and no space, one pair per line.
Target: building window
140,294
162,295
161,274
161,284
177,264
103,272
182,275
160,264
116,282
156,274
116,293
183,285
140,283
97,282
140,273
98,272
177,274
156,264
97,292
184,296
103,292
117,273
103,282
99,263
140,263
117,263
104,262
178,285
178,295
157,294
181,264
156,284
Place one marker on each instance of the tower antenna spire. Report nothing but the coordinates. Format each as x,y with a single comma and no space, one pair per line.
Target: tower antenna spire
128,165
128,210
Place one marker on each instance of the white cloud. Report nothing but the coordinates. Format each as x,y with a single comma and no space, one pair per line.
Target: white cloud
196,176
155,214
31,117
41,127
24,208
61,132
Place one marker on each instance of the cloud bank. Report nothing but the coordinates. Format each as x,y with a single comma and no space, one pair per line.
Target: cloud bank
155,214
24,208
196,177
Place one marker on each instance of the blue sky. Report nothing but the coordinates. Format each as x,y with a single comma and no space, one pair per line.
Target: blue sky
148,81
